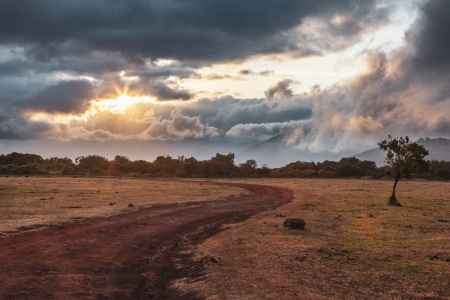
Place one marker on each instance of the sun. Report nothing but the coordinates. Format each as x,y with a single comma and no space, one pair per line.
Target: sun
120,104
117,106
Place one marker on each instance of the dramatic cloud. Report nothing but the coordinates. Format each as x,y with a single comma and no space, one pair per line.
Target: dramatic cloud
405,92
227,112
152,71
164,92
430,38
353,116
179,127
63,97
280,90
56,56
137,123
226,71
198,29
16,127
263,131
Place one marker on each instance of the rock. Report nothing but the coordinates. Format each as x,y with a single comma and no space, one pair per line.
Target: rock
130,205
295,223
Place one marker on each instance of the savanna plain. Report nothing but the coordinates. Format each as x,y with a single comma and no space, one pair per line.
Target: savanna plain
354,245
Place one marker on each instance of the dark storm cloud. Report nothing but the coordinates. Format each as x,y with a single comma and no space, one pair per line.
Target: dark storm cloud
16,127
15,67
199,29
91,63
431,37
96,38
154,72
402,93
394,96
19,98
63,97
224,113
405,92
163,92
46,40
280,90
355,115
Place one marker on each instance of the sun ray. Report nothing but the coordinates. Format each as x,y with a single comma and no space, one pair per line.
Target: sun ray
120,104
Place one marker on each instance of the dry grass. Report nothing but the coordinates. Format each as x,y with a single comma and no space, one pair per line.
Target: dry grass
354,247
30,202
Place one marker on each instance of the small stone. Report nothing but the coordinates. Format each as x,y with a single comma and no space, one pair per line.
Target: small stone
130,205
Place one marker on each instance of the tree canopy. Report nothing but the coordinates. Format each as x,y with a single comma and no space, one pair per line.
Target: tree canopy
219,166
404,157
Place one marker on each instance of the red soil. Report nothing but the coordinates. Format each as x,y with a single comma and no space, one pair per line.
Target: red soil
135,255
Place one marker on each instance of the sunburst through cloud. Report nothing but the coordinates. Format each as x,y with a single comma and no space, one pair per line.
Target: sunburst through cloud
324,80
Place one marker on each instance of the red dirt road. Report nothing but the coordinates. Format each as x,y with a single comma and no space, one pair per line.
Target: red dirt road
135,255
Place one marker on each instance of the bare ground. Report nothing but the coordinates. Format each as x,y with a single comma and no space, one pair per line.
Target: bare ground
27,203
354,246
138,255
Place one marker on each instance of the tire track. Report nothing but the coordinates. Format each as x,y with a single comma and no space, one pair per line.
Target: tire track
135,255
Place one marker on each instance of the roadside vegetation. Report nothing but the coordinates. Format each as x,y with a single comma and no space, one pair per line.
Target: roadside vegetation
219,166
354,245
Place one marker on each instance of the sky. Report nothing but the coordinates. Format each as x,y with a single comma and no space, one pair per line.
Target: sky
143,78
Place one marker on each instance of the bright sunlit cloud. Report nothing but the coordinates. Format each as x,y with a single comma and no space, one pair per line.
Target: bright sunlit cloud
315,76
118,105
227,79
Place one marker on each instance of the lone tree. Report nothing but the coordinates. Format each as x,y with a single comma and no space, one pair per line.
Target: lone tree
404,157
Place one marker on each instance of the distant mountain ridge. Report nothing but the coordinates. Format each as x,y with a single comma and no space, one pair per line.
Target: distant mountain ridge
439,149
275,152
272,152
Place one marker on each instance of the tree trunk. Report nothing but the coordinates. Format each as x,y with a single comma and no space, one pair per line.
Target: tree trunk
393,199
395,186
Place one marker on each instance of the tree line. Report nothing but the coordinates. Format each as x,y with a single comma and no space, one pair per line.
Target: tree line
219,166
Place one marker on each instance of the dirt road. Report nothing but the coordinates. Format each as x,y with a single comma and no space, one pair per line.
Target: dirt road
135,255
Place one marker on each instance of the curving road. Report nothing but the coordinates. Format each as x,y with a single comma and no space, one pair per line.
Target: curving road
129,256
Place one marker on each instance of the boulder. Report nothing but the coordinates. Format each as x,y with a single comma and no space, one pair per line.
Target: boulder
295,223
